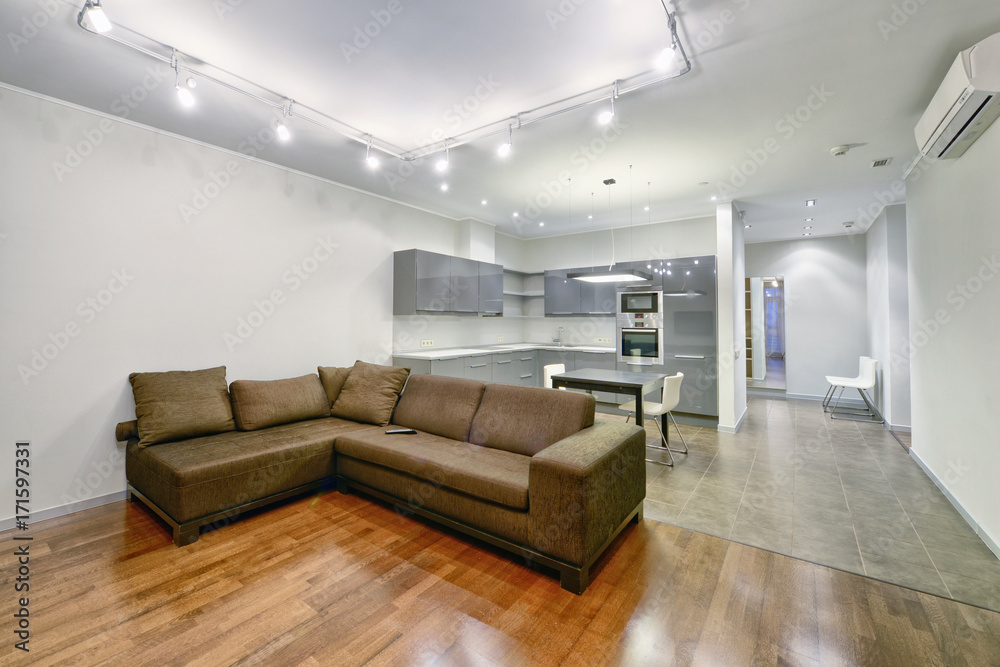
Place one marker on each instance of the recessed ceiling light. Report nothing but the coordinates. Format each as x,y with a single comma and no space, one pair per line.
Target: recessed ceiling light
444,187
590,217
695,261
541,224
810,202
807,234
807,227
646,208
483,202
516,214
714,198
746,226
687,273
809,219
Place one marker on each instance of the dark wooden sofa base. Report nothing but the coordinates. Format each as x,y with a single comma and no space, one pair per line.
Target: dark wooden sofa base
188,532
573,578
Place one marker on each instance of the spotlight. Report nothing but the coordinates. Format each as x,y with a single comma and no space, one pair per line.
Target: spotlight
442,164
504,149
183,93
185,96
282,129
94,14
369,158
667,56
608,115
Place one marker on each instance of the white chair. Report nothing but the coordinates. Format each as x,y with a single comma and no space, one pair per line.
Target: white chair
549,371
839,382
863,383
670,397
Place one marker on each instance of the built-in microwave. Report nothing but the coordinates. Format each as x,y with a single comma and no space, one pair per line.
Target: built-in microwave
640,302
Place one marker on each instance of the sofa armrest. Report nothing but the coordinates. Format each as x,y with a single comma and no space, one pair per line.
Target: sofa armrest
581,488
126,431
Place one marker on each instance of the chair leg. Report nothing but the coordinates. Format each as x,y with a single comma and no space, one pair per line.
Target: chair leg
681,435
828,396
670,459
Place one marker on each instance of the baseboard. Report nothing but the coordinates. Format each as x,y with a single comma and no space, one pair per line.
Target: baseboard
899,428
739,422
806,397
70,508
983,535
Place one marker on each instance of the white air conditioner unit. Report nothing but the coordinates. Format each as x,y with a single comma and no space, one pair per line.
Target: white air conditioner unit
965,105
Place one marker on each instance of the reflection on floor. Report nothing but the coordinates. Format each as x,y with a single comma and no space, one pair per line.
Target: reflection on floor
838,493
775,377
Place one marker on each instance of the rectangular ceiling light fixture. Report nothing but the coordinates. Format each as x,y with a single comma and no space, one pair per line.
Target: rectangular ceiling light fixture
600,276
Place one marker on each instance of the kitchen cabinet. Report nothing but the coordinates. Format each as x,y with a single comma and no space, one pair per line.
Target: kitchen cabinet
597,360
490,288
597,298
504,370
548,357
479,367
527,368
429,282
562,294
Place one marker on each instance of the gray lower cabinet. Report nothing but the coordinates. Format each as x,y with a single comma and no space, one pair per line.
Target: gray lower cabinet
504,368
479,367
700,388
453,368
526,364
549,357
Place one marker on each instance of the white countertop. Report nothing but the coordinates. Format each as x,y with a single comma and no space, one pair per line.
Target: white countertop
457,352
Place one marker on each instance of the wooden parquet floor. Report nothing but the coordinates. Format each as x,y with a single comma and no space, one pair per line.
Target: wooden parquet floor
342,580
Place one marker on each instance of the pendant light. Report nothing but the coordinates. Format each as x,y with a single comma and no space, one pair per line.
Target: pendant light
611,275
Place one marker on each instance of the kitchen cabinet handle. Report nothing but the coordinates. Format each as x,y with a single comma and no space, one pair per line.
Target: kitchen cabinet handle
688,356
509,361
477,365
527,358
525,377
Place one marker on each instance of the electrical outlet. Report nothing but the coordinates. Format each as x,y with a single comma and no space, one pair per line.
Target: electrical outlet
603,340
499,339
426,343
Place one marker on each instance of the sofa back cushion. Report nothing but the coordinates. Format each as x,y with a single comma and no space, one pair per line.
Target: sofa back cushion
333,380
369,394
439,405
526,420
175,405
258,404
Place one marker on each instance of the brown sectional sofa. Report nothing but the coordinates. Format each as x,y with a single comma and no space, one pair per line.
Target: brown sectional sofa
522,468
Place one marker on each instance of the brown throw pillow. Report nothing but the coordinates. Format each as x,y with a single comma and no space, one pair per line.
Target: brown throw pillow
181,404
333,380
258,404
370,393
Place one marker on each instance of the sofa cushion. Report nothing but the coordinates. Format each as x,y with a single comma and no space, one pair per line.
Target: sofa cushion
439,405
488,474
175,405
526,420
258,404
333,380
200,476
369,394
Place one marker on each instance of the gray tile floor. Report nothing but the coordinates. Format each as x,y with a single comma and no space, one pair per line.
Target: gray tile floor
838,493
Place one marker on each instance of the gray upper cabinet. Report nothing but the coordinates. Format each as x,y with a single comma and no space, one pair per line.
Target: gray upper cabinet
425,281
597,298
490,288
465,285
562,294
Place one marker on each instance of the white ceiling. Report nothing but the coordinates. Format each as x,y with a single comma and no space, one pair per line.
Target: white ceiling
753,63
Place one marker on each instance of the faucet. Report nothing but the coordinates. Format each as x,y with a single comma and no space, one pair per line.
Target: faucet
558,338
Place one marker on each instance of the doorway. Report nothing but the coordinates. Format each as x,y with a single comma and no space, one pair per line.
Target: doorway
766,333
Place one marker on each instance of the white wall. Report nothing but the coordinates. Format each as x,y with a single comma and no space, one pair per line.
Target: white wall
826,327
953,243
682,238
167,289
731,270
888,314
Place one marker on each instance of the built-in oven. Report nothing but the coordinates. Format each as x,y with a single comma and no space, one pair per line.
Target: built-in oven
640,327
